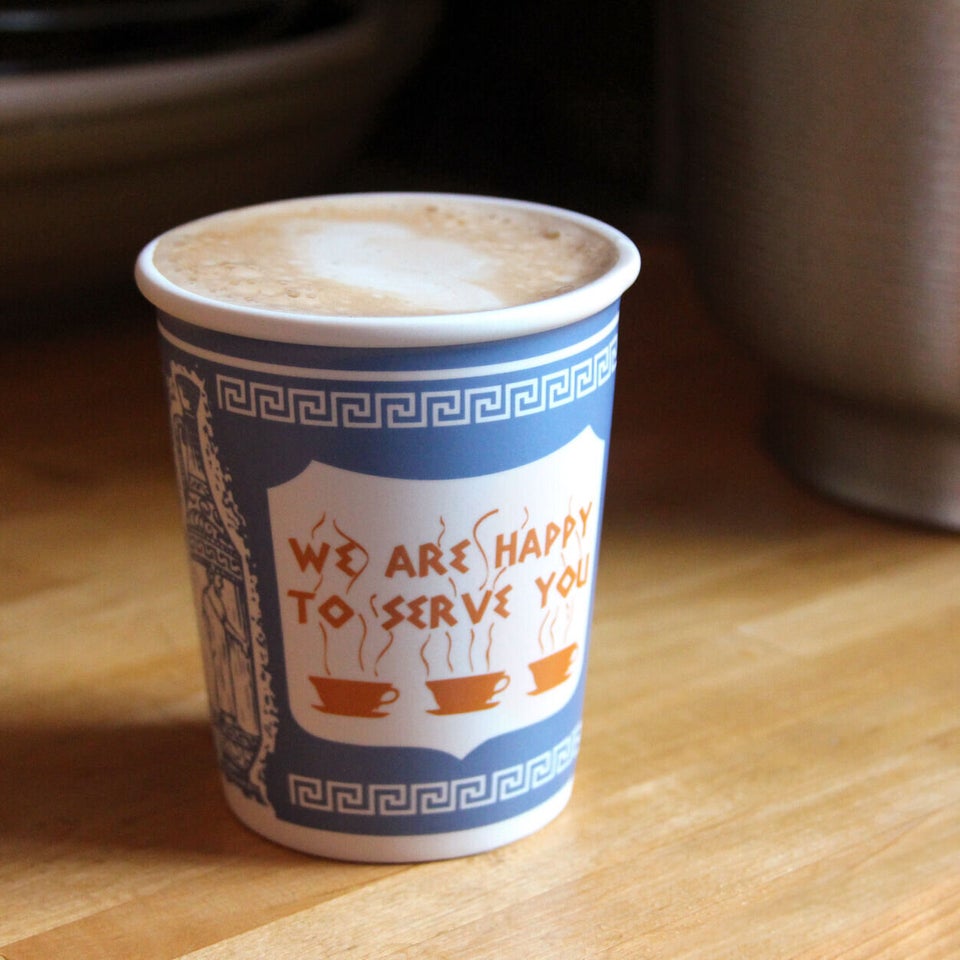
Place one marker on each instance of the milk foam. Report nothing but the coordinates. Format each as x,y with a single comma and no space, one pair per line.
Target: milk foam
394,260
366,255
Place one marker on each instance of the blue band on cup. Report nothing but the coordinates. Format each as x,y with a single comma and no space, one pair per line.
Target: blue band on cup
394,554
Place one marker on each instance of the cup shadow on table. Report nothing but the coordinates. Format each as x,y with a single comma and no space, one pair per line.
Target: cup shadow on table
151,788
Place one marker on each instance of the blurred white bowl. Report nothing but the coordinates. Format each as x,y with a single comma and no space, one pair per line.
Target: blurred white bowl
95,162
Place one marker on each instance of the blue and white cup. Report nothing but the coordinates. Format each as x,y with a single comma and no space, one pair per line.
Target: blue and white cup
392,526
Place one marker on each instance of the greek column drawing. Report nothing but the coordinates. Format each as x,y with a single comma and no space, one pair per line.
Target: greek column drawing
234,654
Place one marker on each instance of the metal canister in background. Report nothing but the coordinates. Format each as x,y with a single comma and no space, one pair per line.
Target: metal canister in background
822,191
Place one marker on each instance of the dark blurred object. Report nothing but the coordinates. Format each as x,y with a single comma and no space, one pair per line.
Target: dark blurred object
822,150
71,34
557,102
94,162
561,102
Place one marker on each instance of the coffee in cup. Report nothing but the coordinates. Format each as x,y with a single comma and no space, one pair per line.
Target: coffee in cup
367,255
391,420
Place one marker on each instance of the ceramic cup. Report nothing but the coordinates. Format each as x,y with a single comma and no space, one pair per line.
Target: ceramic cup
390,516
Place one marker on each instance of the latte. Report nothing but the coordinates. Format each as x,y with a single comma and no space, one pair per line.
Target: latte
381,255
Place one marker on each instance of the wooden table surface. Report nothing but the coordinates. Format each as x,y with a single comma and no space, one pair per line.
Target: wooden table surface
770,765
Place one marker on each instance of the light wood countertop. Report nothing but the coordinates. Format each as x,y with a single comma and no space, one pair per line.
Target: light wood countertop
770,765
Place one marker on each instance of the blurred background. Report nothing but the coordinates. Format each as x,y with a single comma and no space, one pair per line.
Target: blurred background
121,119
808,150
563,103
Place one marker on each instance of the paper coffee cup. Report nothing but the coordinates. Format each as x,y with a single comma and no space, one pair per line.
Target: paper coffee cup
391,421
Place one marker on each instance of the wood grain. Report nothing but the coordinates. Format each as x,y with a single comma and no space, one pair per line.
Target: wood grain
771,756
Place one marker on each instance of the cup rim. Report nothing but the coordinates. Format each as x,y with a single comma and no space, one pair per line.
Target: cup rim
449,329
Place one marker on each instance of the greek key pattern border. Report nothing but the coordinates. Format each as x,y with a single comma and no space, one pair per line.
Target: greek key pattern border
377,408
443,796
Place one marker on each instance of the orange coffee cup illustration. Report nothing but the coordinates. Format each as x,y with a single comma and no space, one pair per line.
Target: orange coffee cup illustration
468,694
353,698
550,671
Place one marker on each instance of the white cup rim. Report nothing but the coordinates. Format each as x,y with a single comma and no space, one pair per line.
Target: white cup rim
401,331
